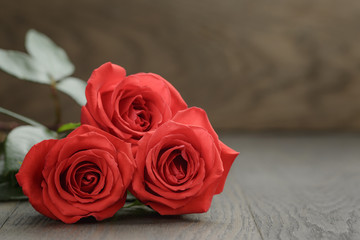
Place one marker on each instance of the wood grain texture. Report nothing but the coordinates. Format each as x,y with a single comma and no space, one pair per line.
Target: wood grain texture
289,65
302,188
6,210
228,218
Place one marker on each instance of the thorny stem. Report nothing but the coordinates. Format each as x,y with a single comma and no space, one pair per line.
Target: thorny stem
56,101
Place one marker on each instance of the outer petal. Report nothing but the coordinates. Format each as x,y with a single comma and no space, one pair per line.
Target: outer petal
87,118
228,156
30,175
110,211
119,144
177,102
196,117
54,208
197,204
103,79
160,85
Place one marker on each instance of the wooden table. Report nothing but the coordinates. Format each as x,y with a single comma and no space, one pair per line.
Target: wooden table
280,187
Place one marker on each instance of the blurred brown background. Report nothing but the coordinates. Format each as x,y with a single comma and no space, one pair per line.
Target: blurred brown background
252,65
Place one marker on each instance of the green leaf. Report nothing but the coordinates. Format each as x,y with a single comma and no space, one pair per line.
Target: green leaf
52,58
9,189
20,117
68,127
73,87
22,66
18,143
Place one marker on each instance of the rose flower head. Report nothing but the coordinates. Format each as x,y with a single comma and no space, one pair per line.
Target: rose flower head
129,106
85,174
181,165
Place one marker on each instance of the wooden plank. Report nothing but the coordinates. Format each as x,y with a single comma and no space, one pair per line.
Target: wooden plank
228,218
6,209
303,187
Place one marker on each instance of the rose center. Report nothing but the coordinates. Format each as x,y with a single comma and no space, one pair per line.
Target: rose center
178,167
87,179
139,114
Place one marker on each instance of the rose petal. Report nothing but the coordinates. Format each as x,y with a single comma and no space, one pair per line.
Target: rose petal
86,117
30,178
228,156
160,85
53,200
103,79
198,204
111,210
196,117
54,209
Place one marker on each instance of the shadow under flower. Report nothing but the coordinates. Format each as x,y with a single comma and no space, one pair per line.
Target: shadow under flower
137,222
139,215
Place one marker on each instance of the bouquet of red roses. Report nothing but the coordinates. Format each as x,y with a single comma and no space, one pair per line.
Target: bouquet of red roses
137,135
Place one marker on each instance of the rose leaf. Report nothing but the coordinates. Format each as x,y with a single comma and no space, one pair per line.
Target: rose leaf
73,87
9,190
22,66
67,127
18,143
52,58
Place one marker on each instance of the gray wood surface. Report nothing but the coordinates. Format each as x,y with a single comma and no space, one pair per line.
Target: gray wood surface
302,187
280,187
6,210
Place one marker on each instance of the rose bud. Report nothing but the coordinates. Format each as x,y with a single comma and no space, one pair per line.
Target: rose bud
85,174
129,106
181,165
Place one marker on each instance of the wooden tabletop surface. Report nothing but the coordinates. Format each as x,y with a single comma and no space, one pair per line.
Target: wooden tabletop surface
280,187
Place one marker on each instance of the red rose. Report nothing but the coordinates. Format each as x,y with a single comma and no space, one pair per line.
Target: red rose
129,106
181,165
85,174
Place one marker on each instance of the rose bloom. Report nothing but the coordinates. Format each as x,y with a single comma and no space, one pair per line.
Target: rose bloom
85,174
181,165
129,106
